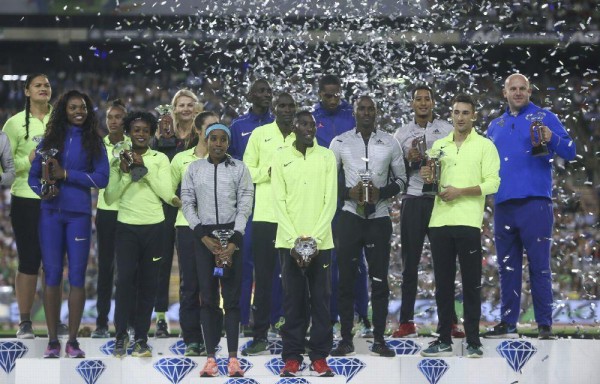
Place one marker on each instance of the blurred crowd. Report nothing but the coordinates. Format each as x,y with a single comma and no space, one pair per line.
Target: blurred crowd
574,97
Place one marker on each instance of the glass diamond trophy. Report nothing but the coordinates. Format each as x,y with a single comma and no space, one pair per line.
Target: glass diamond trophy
431,185
223,263
49,188
122,150
305,249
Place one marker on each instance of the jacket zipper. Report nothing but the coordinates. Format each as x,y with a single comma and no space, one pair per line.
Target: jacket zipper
215,190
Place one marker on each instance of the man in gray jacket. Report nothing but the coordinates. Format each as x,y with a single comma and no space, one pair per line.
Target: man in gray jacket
6,161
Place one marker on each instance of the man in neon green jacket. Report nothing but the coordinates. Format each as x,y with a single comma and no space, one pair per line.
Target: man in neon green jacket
304,183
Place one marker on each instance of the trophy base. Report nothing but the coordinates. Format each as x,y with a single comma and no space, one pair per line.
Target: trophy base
137,172
416,165
540,150
167,142
431,189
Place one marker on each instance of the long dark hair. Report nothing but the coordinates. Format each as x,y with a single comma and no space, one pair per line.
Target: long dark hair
28,81
56,129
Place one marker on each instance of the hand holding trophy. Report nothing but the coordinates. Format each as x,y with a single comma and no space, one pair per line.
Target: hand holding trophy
49,188
417,153
165,120
223,259
305,249
366,178
536,132
122,150
432,174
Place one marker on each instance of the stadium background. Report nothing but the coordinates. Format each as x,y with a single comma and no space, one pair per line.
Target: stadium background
142,53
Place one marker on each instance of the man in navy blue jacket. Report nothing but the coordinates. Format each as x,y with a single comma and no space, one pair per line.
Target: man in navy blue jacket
333,117
259,96
523,217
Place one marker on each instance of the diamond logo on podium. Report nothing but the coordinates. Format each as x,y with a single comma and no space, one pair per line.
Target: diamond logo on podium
10,351
402,346
222,363
516,353
274,346
293,380
346,366
90,370
175,368
433,369
276,364
241,380
108,347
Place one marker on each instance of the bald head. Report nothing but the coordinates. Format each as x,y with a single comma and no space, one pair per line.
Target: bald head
517,92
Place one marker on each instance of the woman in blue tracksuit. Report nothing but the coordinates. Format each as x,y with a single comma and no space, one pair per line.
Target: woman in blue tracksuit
65,219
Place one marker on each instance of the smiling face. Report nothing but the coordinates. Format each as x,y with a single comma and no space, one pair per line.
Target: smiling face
218,142
463,117
305,129
140,134
39,90
76,111
422,104
184,109
517,92
114,120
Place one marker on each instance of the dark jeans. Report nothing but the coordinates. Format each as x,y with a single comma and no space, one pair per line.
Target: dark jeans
446,243
106,225
314,281
372,236
138,249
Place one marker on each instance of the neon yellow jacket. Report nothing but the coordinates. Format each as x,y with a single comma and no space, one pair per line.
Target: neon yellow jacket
140,202
179,166
475,163
264,142
21,148
101,202
305,195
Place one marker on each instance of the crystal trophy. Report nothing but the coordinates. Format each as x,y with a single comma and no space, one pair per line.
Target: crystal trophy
431,185
223,263
306,248
122,150
49,188
540,147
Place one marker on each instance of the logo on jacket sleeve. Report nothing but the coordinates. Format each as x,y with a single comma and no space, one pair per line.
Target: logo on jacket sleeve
516,353
90,370
433,369
175,369
10,351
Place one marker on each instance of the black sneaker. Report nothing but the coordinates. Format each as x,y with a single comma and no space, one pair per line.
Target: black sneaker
162,329
25,330
545,333
502,331
101,333
121,344
381,349
344,348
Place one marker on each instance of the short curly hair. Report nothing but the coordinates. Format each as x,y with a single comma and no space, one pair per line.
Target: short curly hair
140,115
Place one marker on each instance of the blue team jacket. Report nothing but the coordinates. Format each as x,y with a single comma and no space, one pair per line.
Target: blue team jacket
242,127
521,174
82,174
331,124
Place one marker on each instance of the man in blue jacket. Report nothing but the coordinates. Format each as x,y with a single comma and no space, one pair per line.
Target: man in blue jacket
334,116
259,96
523,216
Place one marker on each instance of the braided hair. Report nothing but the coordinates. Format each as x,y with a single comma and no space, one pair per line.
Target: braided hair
56,128
28,82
